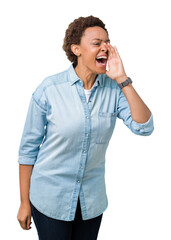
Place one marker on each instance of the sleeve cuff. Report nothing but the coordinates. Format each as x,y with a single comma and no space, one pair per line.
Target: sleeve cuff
26,160
143,128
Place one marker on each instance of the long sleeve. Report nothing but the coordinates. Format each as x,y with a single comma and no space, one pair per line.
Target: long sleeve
70,162
33,133
124,113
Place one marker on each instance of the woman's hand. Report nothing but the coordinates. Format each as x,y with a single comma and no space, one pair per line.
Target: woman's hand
116,69
24,216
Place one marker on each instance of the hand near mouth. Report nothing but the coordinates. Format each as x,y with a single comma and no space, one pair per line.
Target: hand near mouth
116,69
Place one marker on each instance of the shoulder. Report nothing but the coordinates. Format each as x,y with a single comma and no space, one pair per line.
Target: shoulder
49,81
39,94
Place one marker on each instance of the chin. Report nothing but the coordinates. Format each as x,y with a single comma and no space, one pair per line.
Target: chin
101,71
98,70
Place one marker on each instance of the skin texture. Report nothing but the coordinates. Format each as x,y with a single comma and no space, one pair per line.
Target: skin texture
87,69
24,212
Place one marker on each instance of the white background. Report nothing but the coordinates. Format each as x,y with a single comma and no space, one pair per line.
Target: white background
138,169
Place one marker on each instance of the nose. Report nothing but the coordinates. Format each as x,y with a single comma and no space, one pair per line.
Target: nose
104,47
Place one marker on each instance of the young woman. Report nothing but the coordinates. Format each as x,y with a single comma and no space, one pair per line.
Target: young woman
70,121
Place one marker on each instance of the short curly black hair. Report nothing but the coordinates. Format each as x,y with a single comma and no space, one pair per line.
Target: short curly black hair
75,31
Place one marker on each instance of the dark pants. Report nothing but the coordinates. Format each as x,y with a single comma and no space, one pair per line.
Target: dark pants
52,229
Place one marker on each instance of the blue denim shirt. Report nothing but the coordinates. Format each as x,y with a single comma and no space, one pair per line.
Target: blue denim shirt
65,138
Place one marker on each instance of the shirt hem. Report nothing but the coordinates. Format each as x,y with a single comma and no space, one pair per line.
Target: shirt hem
64,219
97,214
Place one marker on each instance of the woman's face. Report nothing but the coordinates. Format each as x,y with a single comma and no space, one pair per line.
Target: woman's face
91,47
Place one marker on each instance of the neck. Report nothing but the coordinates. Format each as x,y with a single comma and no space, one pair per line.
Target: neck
86,76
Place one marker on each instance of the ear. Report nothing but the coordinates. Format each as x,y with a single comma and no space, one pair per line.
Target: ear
75,49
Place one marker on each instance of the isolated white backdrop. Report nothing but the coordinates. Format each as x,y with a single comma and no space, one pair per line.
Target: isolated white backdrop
138,168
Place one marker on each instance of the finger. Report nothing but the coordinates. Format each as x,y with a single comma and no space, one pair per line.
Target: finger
116,51
110,54
108,47
112,50
28,222
23,224
107,72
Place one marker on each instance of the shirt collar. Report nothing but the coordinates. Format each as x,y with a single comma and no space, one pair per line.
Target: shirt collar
73,77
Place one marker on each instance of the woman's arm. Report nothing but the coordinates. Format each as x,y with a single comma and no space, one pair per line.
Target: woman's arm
33,134
24,175
24,213
32,137
140,113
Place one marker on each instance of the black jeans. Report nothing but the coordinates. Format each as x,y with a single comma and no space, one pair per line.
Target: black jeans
52,229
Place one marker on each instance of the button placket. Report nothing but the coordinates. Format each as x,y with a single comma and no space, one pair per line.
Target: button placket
85,145
87,132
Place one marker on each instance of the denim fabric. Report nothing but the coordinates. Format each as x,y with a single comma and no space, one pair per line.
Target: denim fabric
65,138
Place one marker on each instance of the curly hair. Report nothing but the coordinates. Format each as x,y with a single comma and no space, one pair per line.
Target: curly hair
75,31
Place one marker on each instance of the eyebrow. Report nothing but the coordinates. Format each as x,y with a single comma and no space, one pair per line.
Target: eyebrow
108,40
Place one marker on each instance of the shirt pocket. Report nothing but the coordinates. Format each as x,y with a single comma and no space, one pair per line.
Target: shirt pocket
106,123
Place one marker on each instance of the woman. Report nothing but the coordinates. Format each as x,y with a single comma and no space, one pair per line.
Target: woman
70,121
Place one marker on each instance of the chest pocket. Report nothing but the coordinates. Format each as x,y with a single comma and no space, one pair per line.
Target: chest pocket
106,123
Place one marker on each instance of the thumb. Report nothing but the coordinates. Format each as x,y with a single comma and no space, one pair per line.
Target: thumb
107,73
107,68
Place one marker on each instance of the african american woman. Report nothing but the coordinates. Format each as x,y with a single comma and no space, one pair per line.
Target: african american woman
70,121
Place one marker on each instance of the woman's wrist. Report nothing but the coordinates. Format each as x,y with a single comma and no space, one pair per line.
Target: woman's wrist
121,79
25,202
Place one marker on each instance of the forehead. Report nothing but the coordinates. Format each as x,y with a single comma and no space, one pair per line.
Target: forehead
95,33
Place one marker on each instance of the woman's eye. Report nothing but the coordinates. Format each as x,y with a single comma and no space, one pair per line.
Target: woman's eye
95,43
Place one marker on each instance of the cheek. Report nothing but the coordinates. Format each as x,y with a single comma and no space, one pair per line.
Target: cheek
90,54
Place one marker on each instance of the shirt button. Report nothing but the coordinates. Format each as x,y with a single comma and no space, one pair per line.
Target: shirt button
87,117
81,167
87,134
84,150
78,181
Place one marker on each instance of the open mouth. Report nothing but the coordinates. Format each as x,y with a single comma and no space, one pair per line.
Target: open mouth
101,61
